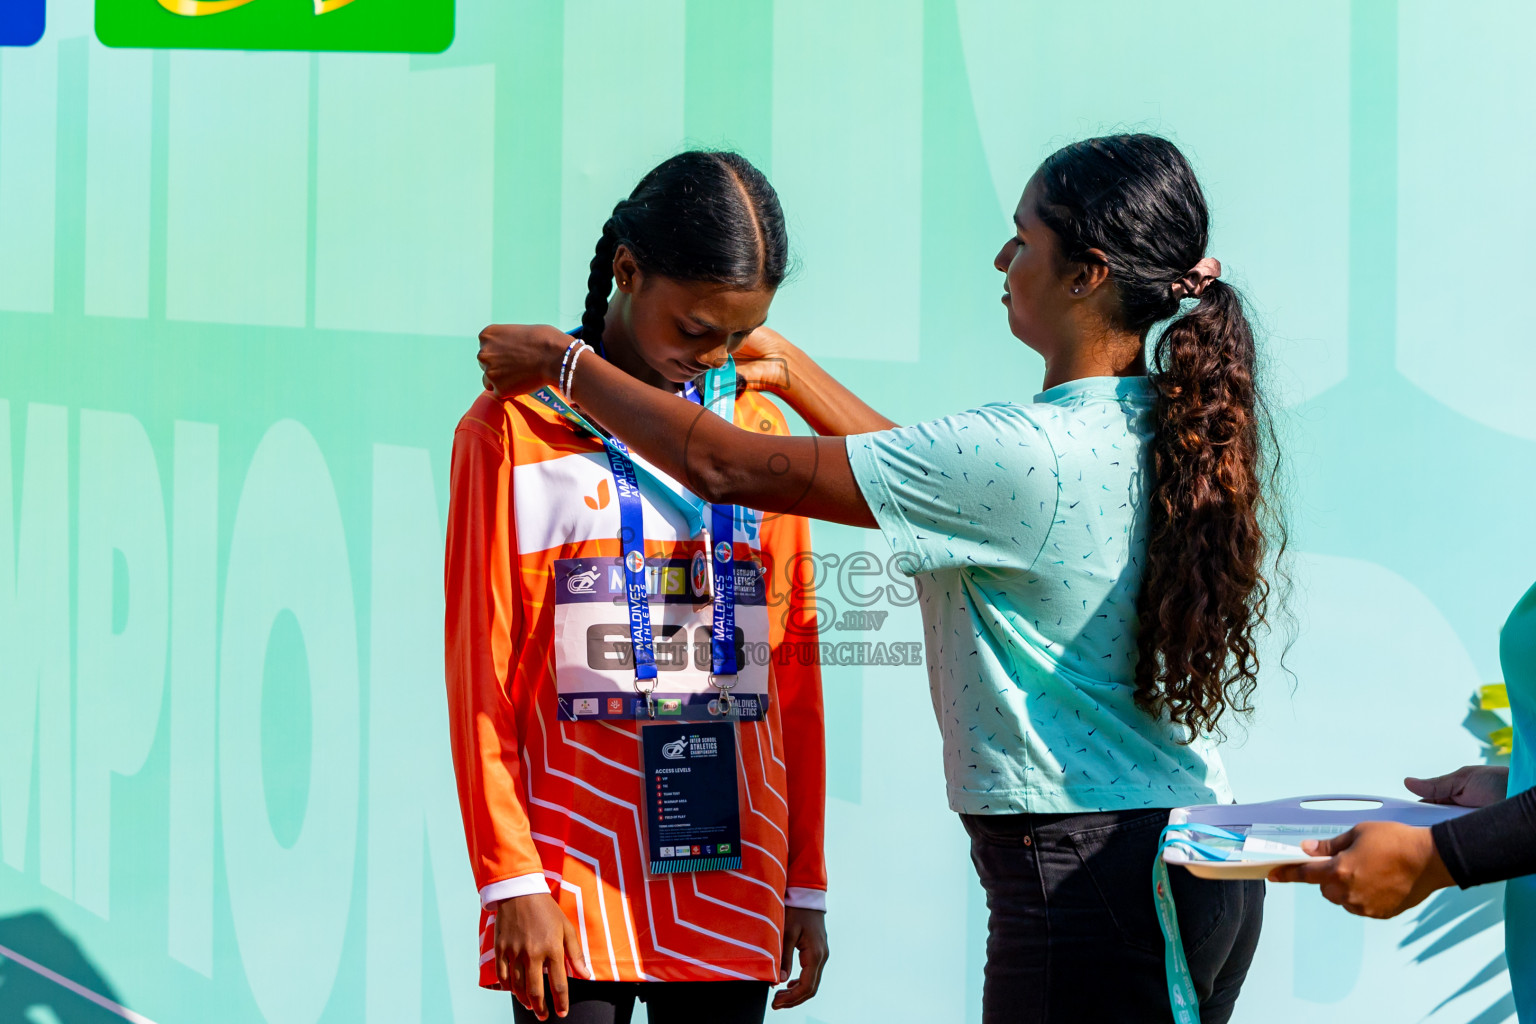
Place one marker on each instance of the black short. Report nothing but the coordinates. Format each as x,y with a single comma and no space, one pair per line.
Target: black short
666,1002
1072,933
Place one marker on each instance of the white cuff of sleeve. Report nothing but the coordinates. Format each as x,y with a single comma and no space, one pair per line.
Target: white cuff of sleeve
522,885
806,899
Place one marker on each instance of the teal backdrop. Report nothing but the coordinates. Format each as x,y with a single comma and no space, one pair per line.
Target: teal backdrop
238,300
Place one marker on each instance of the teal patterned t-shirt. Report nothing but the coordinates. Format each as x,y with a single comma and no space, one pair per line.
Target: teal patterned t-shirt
1025,525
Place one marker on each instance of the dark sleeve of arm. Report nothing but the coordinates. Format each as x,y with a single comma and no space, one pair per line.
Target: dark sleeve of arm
1491,844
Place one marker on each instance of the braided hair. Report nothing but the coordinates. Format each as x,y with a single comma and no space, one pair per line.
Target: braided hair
699,216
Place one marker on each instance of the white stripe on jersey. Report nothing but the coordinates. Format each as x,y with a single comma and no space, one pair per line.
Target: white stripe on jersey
775,755
731,906
581,919
672,888
566,738
758,881
640,841
602,904
554,518
771,857
618,855
757,735
757,812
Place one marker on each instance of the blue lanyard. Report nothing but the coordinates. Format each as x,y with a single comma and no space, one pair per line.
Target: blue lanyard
632,540
723,663
722,529
1182,997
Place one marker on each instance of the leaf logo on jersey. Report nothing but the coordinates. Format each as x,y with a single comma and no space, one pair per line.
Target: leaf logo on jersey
675,751
601,501
583,582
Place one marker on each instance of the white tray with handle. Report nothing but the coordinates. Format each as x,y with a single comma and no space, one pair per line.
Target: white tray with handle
1302,811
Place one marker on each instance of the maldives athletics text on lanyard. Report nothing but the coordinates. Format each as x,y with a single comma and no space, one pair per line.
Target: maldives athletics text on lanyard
723,663
693,808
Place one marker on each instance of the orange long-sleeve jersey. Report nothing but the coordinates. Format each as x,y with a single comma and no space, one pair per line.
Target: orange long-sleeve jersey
555,806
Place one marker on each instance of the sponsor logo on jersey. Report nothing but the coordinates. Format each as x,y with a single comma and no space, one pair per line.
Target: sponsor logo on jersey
615,705
676,750
669,706
722,552
601,501
698,574
634,561
583,582
723,848
696,850
584,706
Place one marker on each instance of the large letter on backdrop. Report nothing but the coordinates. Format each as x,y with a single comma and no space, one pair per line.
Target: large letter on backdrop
194,618
121,665
288,553
34,644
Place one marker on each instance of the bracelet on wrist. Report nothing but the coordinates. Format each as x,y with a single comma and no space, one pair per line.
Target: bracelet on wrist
570,374
565,363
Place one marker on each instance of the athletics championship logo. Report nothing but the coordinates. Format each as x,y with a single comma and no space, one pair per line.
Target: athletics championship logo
376,26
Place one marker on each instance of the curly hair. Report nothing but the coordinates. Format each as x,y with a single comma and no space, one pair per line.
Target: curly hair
1132,202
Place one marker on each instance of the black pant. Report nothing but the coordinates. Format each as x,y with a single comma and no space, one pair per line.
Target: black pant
666,1002
1073,933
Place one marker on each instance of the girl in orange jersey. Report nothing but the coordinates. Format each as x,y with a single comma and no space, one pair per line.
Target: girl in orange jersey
641,780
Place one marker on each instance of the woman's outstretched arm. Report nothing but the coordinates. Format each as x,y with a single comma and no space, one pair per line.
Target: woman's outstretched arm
768,361
809,476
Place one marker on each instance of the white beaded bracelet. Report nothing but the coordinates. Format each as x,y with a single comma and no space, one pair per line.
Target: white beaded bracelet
570,375
565,361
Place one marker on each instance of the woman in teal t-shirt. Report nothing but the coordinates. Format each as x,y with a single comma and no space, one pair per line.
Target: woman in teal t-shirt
1090,563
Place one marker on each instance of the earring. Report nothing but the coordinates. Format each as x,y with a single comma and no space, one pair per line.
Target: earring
1077,291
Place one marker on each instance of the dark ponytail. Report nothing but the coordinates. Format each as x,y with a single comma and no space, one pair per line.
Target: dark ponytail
700,216
1204,593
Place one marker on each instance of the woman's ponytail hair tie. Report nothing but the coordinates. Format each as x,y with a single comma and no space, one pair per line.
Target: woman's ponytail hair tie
1192,284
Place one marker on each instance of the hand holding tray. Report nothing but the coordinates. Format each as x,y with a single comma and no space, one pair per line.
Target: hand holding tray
1290,812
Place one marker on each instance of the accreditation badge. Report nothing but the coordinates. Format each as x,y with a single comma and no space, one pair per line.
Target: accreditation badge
594,654
693,809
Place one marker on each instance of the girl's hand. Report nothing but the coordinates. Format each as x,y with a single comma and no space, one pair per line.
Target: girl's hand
1376,869
533,936
519,358
763,343
805,930
1476,785
763,361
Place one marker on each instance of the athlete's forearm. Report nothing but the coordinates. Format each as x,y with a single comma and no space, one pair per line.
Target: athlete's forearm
825,404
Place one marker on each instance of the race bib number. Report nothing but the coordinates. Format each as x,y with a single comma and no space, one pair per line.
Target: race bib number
594,657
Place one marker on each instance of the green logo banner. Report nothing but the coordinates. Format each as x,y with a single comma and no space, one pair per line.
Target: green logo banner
375,26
